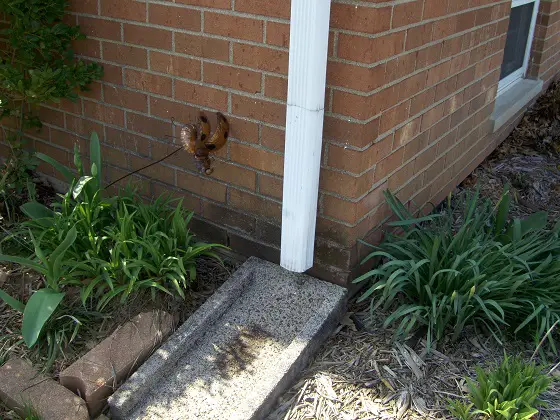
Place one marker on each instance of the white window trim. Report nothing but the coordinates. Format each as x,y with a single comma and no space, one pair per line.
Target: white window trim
509,81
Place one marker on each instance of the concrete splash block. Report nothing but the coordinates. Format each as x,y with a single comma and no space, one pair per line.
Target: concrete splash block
236,355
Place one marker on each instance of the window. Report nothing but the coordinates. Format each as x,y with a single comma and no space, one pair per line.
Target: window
518,42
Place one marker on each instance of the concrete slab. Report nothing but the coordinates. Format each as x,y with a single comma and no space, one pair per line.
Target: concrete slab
237,354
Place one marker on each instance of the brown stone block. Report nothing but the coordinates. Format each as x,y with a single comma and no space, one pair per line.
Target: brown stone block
22,386
95,375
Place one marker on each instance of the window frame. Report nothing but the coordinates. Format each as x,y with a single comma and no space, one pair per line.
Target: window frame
510,80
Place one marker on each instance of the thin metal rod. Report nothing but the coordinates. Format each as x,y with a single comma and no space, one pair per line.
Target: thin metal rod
145,167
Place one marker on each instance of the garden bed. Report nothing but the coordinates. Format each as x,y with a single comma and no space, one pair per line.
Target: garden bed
361,373
78,268
211,274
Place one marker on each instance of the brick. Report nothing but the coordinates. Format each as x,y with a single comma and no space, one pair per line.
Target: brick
370,50
87,47
52,116
394,116
226,216
258,109
401,177
437,73
419,35
202,185
271,186
270,233
114,157
280,9
179,111
201,95
125,140
413,85
407,132
124,9
99,28
432,116
355,161
261,58
407,13
176,17
364,107
214,4
276,87
124,54
260,159
278,34
344,184
389,164
428,56
216,49
273,138
233,26
111,361
177,66
21,385
236,175
451,47
112,74
146,125
125,98
444,28
435,8
251,247
353,77
147,37
360,19
84,6
339,209
232,77
157,172
82,126
400,66
348,132
243,130
255,204
103,113
148,82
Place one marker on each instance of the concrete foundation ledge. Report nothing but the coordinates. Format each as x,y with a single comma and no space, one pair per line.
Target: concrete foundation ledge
513,100
237,354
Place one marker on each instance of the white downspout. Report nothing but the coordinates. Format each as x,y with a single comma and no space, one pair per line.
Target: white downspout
309,39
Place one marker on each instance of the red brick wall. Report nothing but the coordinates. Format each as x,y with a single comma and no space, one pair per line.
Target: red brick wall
410,88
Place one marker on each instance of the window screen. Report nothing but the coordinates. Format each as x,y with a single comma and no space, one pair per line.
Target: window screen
516,41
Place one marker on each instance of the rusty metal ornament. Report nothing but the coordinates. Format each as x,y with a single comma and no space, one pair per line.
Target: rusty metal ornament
197,141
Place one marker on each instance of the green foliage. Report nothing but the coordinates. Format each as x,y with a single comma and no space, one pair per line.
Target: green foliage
105,248
36,66
509,391
486,272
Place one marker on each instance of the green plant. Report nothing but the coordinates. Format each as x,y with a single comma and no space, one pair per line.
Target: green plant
487,272
103,247
37,66
509,391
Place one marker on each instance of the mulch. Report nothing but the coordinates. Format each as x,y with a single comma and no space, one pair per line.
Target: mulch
361,373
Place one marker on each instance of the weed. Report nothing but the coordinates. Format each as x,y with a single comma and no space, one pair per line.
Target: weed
509,391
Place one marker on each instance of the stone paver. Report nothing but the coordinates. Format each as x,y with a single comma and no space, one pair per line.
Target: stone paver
96,375
21,385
